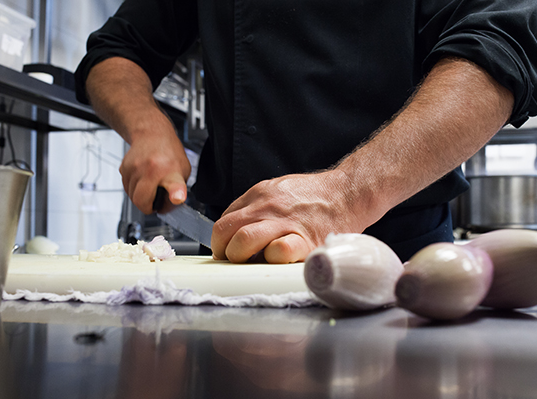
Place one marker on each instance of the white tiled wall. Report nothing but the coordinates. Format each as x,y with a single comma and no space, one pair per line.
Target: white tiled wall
72,22
84,218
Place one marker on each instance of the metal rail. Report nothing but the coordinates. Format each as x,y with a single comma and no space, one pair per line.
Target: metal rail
51,97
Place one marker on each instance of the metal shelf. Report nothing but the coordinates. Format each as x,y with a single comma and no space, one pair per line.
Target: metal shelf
51,97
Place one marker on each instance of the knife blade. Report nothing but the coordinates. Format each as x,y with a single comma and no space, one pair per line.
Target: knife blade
183,218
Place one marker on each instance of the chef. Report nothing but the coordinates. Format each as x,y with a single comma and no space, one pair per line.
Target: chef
323,116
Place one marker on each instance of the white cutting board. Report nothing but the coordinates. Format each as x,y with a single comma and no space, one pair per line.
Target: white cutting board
60,273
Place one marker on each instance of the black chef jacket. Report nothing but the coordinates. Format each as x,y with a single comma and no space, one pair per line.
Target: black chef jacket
294,85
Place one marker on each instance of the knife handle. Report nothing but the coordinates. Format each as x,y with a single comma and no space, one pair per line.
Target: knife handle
160,199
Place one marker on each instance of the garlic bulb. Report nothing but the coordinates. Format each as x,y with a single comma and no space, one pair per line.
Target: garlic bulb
444,281
42,246
514,255
353,271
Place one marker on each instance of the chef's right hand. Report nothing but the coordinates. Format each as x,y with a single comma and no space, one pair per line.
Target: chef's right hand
155,158
121,94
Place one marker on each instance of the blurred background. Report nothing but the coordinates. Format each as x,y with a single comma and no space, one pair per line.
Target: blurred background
76,198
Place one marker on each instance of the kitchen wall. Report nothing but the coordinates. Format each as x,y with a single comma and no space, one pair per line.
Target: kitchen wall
82,218
77,218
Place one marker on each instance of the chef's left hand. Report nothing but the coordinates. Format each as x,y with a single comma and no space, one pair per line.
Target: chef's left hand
286,218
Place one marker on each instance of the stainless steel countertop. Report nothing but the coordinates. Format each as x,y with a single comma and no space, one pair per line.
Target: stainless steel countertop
73,350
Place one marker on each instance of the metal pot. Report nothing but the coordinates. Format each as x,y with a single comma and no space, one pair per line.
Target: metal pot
495,202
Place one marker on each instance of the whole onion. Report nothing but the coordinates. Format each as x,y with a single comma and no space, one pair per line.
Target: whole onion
353,271
514,255
444,281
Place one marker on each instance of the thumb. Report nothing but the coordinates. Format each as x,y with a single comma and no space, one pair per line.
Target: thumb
177,190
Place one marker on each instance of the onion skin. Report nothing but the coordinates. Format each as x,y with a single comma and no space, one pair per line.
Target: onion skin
353,272
514,255
444,281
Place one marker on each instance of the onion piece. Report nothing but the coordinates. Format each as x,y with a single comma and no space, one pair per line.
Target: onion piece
353,271
158,248
444,281
514,255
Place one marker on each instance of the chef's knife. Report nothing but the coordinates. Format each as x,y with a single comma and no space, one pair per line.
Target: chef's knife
183,218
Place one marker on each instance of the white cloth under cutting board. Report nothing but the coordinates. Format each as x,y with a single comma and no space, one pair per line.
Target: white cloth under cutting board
183,279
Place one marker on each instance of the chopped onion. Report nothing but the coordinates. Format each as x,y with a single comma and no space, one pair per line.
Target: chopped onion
158,248
116,252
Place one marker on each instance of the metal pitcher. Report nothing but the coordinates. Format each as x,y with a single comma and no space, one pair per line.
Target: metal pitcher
13,183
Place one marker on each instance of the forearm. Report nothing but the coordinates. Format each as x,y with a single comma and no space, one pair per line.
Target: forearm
121,94
457,109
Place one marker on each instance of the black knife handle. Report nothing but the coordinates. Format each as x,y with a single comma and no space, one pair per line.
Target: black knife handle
160,199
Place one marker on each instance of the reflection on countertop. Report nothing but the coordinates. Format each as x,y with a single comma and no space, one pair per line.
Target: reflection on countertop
74,350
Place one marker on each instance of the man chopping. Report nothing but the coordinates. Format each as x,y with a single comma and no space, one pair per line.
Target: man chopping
323,116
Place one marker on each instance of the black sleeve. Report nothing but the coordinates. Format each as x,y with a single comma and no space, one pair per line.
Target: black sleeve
498,35
151,33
